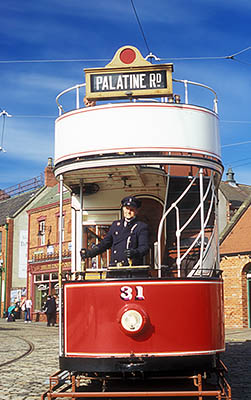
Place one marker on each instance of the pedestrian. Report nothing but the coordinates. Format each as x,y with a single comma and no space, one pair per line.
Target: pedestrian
26,307
127,237
51,310
10,313
17,310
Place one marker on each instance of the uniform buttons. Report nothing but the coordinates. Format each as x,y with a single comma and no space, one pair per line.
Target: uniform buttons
116,233
115,251
115,261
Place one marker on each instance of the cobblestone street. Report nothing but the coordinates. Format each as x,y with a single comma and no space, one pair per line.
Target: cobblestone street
27,378
238,361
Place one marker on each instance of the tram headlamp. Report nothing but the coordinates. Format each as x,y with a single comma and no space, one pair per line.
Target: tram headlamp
132,321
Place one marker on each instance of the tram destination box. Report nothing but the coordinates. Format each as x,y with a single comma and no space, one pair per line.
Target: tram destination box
128,75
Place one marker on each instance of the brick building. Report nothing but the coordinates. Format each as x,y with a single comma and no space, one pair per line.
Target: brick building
14,233
13,246
43,246
235,252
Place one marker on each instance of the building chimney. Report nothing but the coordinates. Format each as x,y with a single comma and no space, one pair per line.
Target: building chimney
230,177
49,177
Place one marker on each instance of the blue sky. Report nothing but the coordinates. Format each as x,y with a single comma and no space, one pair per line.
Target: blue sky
77,29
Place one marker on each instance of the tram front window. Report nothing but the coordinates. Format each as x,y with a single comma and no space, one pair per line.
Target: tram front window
92,235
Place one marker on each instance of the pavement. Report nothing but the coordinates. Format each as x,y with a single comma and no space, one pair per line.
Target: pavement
27,378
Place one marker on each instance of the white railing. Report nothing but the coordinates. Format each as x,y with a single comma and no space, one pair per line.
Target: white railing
186,82
77,97
77,88
206,247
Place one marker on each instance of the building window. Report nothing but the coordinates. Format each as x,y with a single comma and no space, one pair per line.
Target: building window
44,284
54,276
38,278
41,230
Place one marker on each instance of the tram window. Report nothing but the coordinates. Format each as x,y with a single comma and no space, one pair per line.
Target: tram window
103,230
92,236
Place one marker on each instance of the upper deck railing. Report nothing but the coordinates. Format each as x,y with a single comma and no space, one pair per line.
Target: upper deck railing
79,95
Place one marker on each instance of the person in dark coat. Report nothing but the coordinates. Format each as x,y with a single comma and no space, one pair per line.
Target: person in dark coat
51,310
127,237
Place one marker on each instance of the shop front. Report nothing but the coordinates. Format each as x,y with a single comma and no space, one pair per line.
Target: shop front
43,280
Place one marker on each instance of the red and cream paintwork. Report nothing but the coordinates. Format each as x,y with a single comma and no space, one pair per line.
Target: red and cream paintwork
196,130
143,318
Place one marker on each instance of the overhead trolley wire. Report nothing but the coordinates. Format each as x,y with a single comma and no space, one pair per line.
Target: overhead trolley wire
140,26
240,161
239,52
236,144
229,57
55,61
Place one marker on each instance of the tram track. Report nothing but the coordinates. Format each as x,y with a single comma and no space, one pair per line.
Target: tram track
31,348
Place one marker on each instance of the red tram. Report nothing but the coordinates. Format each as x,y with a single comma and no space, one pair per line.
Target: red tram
164,318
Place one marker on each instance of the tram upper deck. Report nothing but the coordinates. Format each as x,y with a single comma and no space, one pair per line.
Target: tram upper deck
128,128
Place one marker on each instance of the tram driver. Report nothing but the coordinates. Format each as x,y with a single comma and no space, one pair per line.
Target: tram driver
127,237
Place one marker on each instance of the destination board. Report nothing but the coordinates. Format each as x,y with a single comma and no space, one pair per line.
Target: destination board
128,75
128,81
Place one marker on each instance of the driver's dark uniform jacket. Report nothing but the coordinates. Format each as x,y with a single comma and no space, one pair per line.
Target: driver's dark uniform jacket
124,235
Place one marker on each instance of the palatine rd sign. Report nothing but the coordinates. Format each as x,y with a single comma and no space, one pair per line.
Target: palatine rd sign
128,75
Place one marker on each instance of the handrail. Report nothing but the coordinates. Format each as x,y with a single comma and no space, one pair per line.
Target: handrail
165,215
163,99
215,108
179,229
198,237
77,87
